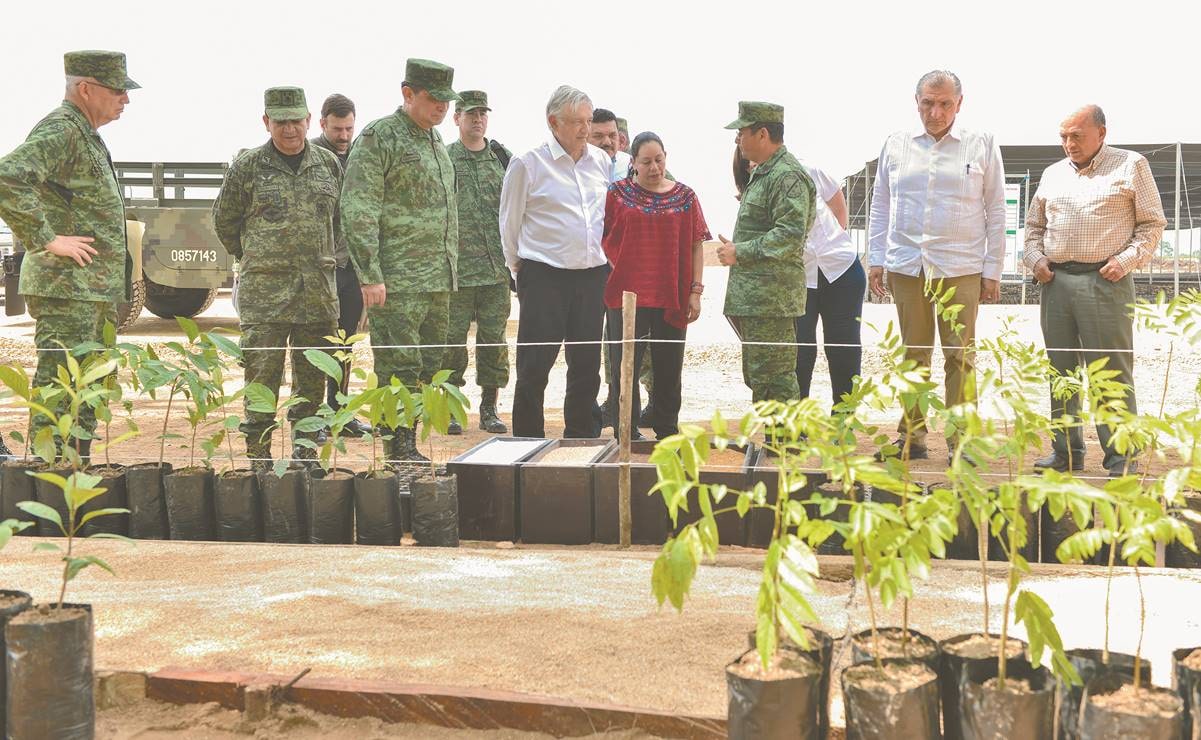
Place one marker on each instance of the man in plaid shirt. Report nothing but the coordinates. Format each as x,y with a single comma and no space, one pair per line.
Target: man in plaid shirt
1096,217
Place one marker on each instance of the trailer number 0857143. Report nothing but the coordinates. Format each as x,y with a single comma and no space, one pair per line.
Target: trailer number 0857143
193,255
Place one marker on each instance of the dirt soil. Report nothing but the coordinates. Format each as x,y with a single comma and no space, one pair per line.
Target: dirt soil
1140,703
1012,685
892,646
897,678
781,667
151,720
1193,660
982,646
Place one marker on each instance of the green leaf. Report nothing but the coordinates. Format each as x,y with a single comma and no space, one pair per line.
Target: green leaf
261,399
189,327
324,362
46,547
42,511
99,513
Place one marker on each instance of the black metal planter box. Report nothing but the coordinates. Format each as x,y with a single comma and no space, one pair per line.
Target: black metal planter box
761,522
648,514
731,528
556,497
487,481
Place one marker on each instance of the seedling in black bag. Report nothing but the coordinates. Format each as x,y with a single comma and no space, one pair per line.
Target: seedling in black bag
334,366
78,489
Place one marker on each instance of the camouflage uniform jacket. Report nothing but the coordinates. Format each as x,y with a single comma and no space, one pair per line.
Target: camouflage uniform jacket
282,227
478,177
61,181
398,208
774,217
341,252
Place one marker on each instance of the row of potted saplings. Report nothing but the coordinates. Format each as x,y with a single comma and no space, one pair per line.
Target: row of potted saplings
988,684
48,648
317,503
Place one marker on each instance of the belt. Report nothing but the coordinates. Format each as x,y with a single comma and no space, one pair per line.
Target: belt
1078,268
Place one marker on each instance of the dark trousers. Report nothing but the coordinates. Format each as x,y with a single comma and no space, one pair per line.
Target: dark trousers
350,312
839,305
1086,318
667,359
556,306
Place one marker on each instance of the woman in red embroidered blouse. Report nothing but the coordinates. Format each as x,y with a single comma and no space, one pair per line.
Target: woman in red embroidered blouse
653,233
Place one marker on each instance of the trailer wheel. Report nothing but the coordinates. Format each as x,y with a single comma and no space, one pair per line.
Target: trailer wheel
167,302
127,313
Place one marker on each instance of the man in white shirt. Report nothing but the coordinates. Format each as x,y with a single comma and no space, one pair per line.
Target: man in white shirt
552,212
938,212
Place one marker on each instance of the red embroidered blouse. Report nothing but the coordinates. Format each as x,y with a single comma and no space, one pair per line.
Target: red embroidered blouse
648,239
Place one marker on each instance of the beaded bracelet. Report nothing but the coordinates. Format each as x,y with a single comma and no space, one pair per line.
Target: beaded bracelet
698,288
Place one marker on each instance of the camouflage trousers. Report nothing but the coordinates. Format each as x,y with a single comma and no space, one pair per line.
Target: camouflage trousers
405,320
64,323
488,307
770,372
266,366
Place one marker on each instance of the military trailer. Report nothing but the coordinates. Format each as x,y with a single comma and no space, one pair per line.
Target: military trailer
178,261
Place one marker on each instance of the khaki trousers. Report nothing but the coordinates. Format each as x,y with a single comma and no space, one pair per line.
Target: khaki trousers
918,319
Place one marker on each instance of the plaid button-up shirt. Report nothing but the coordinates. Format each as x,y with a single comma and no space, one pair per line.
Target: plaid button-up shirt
1110,208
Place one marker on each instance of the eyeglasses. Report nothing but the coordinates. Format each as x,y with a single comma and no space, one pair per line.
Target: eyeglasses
114,90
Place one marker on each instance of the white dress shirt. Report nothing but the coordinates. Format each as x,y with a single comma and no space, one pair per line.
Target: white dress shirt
939,206
829,247
552,208
621,167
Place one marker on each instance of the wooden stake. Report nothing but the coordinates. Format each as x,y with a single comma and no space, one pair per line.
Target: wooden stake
629,304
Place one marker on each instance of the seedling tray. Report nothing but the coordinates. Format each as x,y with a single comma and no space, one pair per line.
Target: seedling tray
731,528
556,498
487,480
648,513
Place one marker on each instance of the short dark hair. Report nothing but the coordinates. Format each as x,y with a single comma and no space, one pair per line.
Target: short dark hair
775,131
338,105
603,115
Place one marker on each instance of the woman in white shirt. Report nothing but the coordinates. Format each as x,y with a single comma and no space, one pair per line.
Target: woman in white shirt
835,283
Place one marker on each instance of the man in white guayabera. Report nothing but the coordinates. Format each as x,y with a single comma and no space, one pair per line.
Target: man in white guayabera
938,212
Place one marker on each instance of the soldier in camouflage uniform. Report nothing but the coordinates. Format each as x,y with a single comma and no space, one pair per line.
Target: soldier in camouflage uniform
766,289
59,194
483,294
402,227
277,213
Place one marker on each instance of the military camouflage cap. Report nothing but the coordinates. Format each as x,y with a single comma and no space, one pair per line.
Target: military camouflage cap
469,100
434,78
106,67
751,112
623,126
285,104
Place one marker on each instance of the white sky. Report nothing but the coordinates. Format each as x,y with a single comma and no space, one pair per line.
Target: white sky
844,71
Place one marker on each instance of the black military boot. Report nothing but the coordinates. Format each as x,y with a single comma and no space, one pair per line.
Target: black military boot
454,427
260,457
489,421
5,453
401,451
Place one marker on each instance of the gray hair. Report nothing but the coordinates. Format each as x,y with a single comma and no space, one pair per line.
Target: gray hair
1095,113
939,77
565,97
73,82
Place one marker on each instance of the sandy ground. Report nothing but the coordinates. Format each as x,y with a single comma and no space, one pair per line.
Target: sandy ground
712,380
579,624
151,720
